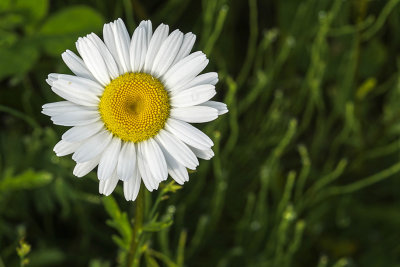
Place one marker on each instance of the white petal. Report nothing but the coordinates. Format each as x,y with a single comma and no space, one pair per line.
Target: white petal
147,177
155,159
221,107
177,149
194,114
72,92
92,147
188,134
203,154
107,57
109,159
138,49
187,45
185,70
93,60
123,42
80,133
78,83
177,171
51,109
146,24
81,169
109,40
106,187
193,96
64,148
76,118
132,186
126,167
160,34
206,78
76,65
167,53
117,40
50,79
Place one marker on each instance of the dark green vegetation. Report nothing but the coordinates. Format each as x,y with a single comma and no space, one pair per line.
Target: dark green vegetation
306,171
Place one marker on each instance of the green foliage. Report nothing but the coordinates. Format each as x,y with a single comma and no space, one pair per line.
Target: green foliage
22,251
17,60
52,34
306,162
27,180
119,221
33,10
63,28
137,233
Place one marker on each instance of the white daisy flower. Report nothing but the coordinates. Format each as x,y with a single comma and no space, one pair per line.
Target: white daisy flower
130,103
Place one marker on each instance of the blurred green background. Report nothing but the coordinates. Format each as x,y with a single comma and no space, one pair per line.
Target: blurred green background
306,171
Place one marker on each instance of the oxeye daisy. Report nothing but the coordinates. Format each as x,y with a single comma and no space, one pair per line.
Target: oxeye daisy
130,105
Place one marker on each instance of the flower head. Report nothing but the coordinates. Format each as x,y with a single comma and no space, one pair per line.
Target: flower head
130,103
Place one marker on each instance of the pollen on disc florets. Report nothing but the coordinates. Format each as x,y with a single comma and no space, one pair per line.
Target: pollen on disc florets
134,106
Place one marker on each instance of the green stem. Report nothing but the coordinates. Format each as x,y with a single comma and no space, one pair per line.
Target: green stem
350,188
19,114
346,189
133,254
155,205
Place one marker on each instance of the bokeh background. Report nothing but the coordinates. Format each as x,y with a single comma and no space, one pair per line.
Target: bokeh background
306,171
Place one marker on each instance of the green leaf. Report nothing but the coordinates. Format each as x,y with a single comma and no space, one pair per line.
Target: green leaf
34,10
119,221
27,180
111,207
150,261
10,21
5,5
62,29
157,226
23,249
18,59
121,243
171,187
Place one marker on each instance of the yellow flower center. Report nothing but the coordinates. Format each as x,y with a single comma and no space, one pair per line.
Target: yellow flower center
134,106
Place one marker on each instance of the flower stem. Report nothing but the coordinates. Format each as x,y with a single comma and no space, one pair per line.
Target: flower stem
133,254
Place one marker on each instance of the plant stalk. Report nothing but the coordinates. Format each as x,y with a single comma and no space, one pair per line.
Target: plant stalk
134,254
